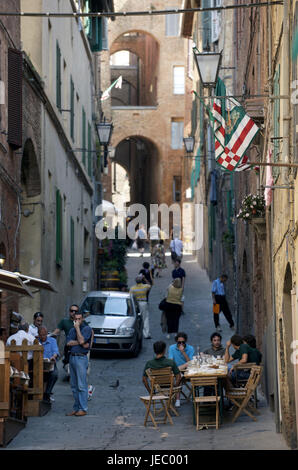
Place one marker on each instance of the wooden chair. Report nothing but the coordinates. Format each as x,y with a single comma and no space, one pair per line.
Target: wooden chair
163,388
165,381
204,401
242,382
188,394
240,397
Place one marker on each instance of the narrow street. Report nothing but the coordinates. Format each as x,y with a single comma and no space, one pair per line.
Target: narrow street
115,416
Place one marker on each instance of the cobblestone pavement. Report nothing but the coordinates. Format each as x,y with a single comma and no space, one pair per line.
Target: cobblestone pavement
115,416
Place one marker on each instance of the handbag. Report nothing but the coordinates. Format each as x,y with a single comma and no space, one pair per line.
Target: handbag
216,308
162,304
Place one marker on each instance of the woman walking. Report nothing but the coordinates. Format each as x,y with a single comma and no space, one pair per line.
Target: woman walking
173,306
159,257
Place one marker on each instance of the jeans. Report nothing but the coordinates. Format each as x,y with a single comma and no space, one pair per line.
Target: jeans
78,380
50,378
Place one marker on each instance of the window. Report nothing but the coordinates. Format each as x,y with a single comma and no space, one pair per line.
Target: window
72,251
172,25
72,92
111,306
84,137
59,228
177,188
177,132
90,153
58,76
178,81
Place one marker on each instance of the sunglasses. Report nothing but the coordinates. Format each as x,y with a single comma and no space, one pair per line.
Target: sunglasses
181,342
71,310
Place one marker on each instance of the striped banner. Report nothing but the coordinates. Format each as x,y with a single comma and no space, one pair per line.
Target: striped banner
233,129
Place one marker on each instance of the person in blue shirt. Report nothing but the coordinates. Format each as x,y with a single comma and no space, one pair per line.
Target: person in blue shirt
219,297
79,340
181,353
51,352
178,272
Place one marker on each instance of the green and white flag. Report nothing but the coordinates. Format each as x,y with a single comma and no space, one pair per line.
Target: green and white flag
117,84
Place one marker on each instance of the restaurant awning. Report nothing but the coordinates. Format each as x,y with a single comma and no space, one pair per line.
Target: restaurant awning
36,282
12,282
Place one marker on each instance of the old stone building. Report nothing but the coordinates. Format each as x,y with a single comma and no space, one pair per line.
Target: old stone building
151,111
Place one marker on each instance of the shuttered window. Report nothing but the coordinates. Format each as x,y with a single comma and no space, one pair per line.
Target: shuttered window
59,228
72,93
84,137
72,250
15,72
90,154
58,76
206,24
172,25
178,81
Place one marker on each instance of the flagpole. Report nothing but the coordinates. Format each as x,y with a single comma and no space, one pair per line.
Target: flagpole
288,165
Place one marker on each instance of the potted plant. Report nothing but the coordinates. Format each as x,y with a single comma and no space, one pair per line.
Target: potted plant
252,206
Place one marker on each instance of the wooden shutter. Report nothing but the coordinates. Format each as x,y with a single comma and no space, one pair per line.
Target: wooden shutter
90,159
84,137
72,251
72,92
15,109
58,76
58,228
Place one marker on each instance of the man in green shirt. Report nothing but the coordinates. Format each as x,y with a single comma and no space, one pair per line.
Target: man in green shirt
244,353
159,362
66,324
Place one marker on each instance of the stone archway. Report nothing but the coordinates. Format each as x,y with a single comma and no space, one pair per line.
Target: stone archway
287,395
31,224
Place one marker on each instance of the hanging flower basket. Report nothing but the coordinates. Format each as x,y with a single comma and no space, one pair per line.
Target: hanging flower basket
252,206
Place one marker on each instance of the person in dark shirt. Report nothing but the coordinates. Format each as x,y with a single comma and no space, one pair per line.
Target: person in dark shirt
244,353
147,273
66,324
159,362
179,272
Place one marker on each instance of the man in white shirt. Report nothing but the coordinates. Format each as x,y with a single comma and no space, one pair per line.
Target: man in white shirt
176,247
22,333
37,322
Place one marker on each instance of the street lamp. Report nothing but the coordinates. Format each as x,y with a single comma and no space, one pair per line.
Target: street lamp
208,64
104,132
189,143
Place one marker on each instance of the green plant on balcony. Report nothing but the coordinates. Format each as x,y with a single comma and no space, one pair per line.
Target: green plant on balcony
252,206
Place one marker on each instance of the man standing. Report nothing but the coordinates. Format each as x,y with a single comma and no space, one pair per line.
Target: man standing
51,352
139,291
178,272
176,247
159,362
79,340
216,348
154,235
219,297
66,324
37,322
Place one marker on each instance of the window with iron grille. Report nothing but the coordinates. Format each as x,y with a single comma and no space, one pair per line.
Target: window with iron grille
15,109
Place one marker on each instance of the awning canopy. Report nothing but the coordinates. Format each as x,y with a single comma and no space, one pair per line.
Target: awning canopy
12,282
20,283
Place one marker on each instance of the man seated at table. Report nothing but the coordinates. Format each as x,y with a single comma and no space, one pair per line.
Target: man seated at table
181,353
216,348
159,362
20,335
244,353
50,351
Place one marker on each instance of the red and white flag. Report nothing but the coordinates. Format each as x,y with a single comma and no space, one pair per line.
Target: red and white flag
234,131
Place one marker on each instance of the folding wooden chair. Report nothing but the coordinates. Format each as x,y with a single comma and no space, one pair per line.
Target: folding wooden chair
242,382
240,397
204,401
164,399
164,388
188,394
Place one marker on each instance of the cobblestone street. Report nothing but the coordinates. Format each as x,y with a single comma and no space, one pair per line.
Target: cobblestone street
115,417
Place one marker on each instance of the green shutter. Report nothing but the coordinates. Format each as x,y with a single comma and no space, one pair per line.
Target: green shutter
58,228
206,24
84,137
72,109
90,154
58,76
72,251
276,121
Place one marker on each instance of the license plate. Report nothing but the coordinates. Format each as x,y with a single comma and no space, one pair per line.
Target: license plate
101,340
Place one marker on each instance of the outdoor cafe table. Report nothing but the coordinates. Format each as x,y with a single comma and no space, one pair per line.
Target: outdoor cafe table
194,370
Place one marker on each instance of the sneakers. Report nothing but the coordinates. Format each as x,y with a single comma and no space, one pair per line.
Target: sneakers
168,336
52,398
177,404
90,391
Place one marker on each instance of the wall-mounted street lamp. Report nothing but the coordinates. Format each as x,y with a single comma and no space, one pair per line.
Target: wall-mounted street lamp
104,132
208,65
189,144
